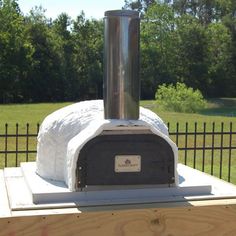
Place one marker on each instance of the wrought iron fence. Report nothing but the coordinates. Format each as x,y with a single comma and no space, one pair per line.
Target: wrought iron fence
208,147
17,144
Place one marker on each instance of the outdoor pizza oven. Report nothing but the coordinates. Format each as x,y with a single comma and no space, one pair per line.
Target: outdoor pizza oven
114,142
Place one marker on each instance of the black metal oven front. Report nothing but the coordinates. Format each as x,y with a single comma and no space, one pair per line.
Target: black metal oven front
125,157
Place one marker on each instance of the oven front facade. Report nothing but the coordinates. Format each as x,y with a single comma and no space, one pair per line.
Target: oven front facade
125,157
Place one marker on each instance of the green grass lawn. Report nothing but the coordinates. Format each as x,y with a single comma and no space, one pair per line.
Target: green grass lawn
215,112
27,113
218,111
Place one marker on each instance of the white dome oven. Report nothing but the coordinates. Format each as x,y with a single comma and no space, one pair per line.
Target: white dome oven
111,143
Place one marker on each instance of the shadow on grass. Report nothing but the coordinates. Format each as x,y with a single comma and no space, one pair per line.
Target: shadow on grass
215,107
220,107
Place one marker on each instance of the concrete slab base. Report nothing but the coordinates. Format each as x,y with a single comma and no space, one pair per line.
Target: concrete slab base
27,190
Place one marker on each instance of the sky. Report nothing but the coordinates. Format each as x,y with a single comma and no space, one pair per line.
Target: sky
92,8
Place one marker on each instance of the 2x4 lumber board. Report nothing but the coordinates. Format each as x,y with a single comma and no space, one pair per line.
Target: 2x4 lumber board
4,203
179,221
78,209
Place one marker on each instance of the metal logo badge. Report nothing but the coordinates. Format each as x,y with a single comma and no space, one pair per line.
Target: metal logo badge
127,163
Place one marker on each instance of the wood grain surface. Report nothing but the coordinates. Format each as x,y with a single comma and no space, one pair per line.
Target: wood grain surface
177,221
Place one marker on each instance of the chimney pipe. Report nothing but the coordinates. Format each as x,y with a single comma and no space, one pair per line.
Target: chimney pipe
121,65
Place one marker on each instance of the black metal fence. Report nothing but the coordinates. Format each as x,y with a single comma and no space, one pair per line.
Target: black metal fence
209,147
17,144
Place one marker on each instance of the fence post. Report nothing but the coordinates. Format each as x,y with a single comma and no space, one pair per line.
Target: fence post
17,131
203,146
221,148
6,142
212,147
195,145
186,143
177,134
230,148
27,142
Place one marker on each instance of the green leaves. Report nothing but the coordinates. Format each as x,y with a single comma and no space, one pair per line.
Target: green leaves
186,41
179,98
16,52
45,60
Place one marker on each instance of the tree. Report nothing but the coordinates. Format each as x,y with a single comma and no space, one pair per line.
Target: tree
219,45
139,5
206,11
190,41
45,80
192,52
62,29
229,20
16,52
157,48
88,58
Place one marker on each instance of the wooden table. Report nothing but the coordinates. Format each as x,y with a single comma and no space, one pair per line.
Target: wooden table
216,216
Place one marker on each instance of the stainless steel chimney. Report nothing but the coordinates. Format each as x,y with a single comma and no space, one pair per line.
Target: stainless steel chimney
121,65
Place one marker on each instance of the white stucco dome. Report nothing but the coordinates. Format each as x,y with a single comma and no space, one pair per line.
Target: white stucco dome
64,132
